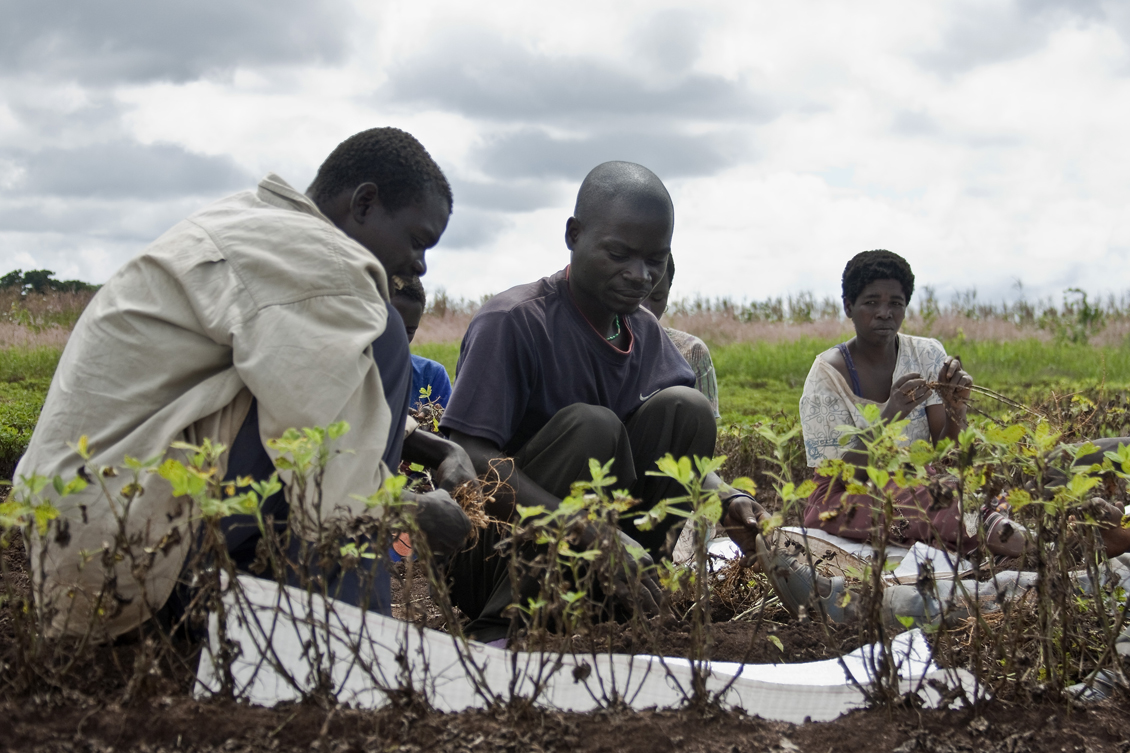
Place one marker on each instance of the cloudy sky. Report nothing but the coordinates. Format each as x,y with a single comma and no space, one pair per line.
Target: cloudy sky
986,141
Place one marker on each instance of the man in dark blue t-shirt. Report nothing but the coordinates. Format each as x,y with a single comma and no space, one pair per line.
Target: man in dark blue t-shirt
569,368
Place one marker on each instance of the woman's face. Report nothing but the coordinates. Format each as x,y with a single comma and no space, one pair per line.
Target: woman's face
878,311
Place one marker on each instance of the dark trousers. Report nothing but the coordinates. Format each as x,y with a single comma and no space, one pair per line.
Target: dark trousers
677,420
367,585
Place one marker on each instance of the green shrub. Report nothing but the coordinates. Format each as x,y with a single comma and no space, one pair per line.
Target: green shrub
20,404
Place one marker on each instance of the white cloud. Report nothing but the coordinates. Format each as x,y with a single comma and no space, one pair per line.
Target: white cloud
984,141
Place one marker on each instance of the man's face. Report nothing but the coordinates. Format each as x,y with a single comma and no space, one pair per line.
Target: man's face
411,312
399,239
657,301
618,256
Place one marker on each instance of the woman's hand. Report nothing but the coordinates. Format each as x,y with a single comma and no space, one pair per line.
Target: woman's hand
956,382
906,394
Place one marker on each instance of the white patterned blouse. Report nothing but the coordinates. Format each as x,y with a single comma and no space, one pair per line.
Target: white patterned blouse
828,400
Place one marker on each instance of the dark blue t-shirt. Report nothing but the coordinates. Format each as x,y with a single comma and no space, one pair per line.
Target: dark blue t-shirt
529,352
428,373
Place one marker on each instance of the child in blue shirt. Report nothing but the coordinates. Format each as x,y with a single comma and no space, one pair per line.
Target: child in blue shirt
409,298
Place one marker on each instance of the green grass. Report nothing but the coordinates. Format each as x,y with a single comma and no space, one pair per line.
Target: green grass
17,364
445,353
754,379
25,375
762,379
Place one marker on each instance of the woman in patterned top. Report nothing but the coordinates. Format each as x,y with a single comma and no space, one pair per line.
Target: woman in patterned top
881,367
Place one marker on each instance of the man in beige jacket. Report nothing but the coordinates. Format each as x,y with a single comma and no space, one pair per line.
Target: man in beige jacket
264,311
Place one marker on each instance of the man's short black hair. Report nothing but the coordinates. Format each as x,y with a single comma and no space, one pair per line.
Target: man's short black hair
410,288
869,266
393,159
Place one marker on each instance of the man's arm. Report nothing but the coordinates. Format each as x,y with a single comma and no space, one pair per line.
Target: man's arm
519,488
310,364
741,513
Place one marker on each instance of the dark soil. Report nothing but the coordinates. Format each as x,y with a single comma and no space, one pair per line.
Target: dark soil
98,708
179,724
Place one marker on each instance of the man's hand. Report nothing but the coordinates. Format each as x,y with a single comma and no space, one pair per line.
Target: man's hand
906,394
442,522
450,464
743,520
455,470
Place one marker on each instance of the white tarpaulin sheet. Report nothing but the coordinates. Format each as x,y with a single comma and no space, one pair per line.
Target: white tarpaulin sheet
909,560
366,657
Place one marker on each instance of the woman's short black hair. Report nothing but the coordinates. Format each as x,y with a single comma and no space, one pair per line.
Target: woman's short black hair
393,159
869,266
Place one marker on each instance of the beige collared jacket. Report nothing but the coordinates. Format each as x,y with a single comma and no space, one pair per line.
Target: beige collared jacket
256,295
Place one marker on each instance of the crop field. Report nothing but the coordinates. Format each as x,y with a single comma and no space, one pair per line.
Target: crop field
1065,374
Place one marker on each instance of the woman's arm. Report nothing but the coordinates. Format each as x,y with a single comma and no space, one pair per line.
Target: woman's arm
948,418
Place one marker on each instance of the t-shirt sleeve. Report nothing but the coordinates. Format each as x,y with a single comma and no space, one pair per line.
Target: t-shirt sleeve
822,409
705,379
493,379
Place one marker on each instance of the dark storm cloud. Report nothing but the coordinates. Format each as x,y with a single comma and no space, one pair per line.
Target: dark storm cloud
533,153
984,33
484,76
122,169
115,41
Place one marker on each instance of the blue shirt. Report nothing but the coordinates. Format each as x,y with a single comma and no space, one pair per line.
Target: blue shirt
425,373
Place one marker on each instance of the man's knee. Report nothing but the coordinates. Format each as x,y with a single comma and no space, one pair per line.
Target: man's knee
685,401
592,426
678,413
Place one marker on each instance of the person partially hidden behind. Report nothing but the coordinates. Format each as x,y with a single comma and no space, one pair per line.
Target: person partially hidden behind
264,311
428,376
569,368
690,347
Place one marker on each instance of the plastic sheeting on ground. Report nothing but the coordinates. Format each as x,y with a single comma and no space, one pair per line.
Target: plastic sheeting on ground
943,562
366,658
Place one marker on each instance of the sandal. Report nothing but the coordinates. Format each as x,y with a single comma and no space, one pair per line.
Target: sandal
799,587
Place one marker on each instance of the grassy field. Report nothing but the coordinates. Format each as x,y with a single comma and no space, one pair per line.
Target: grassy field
755,378
766,378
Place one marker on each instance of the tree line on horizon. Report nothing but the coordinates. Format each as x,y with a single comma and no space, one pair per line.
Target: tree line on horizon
41,281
